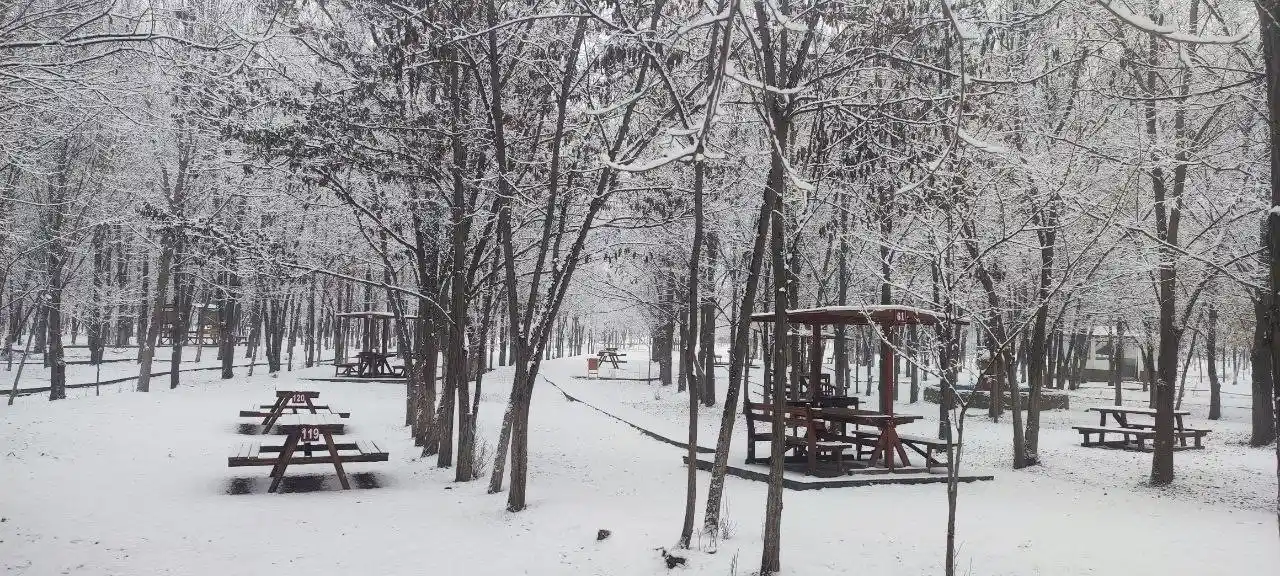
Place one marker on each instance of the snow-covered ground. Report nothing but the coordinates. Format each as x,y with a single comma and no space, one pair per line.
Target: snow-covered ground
131,484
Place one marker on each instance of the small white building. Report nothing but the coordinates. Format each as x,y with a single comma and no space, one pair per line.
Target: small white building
1101,346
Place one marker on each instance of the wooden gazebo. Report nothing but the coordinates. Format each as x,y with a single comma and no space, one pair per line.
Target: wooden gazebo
886,318
375,334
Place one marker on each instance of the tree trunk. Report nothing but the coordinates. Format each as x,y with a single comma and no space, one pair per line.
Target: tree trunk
1211,354
1264,427
1269,30
228,318
181,313
144,314
707,327
690,353
124,324
53,299
739,359
771,556
97,326
147,349
428,364
310,335
1117,355
666,333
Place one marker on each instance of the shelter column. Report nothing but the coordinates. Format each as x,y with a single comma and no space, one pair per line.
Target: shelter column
815,362
888,377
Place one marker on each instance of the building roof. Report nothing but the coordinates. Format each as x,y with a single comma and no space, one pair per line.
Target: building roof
886,315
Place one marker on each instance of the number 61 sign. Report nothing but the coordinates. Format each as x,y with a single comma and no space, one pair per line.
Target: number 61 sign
309,434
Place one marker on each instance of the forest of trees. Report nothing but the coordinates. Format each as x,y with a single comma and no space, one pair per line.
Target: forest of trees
507,171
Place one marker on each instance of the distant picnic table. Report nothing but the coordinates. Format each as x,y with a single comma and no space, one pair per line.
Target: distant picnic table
304,432
369,364
1134,434
612,356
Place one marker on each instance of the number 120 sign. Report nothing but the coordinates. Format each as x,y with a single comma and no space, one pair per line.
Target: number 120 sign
309,434
299,398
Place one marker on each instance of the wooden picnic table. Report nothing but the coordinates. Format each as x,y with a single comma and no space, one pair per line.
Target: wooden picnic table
303,432
291,402
1121,415
887,442
611,356
372,364
286,399
826,431
1135,433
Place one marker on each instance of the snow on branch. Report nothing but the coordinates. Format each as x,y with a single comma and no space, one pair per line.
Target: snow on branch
981,144
650,165
988,147
631,99
758,84
704,21
1168,32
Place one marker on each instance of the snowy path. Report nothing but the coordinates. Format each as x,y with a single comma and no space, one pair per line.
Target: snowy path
136,484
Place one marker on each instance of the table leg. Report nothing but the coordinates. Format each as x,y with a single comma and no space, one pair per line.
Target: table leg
890,444
307,399
286,454
1177,420
882,449
275,410
337,462
1102,419
902,453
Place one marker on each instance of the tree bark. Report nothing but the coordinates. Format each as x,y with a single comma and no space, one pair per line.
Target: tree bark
1211,355
707,326
1117,355
1263,429
148,347
739,358
228,320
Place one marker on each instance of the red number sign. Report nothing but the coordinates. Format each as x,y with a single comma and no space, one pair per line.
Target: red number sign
299,398
309,434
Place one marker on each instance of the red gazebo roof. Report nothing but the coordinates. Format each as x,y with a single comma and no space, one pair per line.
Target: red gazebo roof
884,315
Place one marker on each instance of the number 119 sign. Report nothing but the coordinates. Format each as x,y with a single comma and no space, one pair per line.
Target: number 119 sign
309,434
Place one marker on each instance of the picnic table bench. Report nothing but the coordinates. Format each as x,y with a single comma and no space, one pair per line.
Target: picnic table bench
811,444
1136,434
304,434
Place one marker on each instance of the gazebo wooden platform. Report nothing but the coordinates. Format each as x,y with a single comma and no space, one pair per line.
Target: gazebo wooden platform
794,479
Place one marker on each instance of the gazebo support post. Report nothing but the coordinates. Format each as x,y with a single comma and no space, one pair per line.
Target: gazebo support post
888,381
887,376
815,362
386,334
